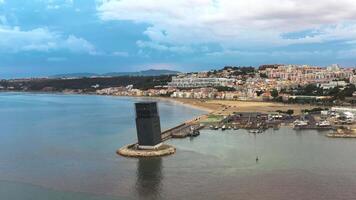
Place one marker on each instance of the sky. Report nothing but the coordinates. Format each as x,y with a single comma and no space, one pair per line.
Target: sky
47,37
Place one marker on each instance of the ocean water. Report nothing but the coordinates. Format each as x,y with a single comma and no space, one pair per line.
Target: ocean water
56,146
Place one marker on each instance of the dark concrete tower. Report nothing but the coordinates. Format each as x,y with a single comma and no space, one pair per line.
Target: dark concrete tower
148,125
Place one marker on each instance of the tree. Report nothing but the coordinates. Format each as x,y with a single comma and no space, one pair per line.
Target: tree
290,112
349,90
263,75
274,93
225,88
259,92
334,92
339,93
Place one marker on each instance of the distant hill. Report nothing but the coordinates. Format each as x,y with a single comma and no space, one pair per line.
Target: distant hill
74,75
150,72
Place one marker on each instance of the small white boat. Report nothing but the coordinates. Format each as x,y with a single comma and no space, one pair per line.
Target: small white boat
255,131
324,124
223,127
300,123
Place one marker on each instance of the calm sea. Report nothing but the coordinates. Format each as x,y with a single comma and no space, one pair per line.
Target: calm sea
63,147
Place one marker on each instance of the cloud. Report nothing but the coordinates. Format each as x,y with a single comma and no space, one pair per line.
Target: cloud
120,54
57,4
79,45
234,24
13,39
161,47
169,66
272,54
3,20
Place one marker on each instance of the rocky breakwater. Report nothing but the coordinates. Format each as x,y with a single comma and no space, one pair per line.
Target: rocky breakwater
133,150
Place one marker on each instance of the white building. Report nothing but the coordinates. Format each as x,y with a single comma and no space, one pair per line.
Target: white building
344,110
332,84
192,82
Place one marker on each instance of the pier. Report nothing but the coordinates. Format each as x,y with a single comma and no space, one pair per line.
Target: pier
182,130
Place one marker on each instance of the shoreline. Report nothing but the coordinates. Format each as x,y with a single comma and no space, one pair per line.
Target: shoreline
332,135
227,107
212,106
178,101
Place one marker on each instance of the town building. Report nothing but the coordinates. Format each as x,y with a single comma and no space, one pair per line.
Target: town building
194,82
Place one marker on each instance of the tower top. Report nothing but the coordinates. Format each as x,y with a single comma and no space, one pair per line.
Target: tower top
146,109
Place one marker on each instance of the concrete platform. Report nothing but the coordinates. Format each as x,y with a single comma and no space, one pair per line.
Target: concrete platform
132,151
341,135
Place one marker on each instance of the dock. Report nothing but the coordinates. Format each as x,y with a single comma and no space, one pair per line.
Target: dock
182,130
313,127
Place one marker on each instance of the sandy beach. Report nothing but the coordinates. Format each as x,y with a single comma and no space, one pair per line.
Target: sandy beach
225,107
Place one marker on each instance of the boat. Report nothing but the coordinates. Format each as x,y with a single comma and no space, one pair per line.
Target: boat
236,128
255,131
300,123
194,133
323,124
223,128
216,127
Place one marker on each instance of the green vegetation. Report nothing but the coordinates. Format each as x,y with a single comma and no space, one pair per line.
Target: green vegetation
340,94
273,66
213,119
288,112
313,90
274,93
307,90
263,75
314,110
224,88
259,92
241,70
86,84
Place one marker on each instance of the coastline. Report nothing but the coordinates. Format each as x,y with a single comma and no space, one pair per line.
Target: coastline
227,107
188,104
332,135
212,106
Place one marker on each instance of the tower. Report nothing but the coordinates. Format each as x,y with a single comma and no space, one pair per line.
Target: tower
148,125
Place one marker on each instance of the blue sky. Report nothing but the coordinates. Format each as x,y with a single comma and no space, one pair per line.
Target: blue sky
46,37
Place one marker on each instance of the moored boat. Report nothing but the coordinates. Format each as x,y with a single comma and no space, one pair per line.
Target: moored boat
223,128
255,131
194,133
